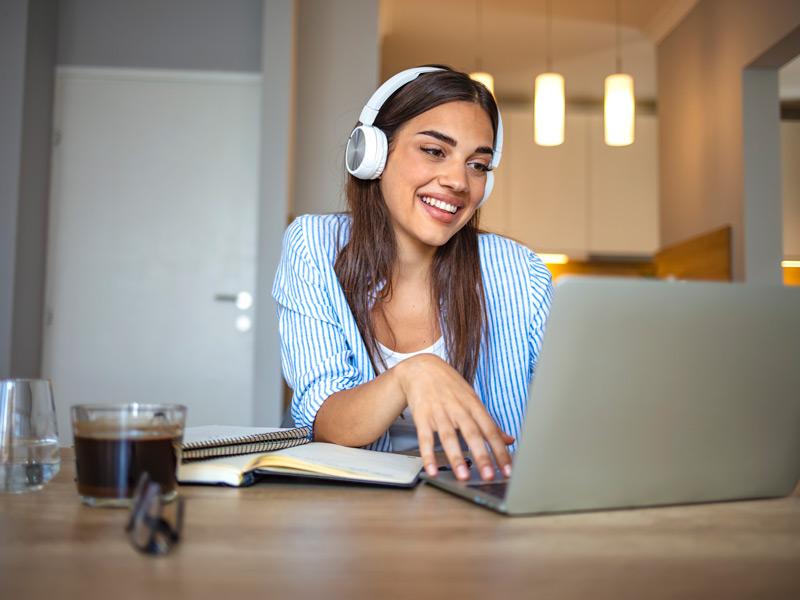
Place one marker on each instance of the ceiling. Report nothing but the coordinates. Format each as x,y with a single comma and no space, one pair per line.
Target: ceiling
510,41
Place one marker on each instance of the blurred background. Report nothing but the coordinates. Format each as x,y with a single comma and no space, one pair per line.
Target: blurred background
152,153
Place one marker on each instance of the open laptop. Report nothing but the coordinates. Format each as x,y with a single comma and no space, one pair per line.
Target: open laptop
655,392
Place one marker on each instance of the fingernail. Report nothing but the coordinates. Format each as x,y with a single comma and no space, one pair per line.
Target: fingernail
507,470
462,472
431,469
487,472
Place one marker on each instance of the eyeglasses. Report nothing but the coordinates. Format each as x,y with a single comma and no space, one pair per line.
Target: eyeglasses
147,529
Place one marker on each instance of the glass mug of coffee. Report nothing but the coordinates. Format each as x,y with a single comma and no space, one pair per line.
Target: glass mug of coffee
116,443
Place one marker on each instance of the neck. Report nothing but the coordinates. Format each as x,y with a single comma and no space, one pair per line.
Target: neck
413,261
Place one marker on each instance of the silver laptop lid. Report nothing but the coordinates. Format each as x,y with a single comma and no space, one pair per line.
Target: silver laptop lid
654,392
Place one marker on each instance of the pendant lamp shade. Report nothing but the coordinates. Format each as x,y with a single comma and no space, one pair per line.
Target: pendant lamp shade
484,78
619,109
548,109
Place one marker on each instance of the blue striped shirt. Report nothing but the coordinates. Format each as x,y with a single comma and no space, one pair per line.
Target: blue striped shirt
322,351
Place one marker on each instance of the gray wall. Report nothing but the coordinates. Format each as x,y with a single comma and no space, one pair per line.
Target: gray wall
277,135
34,189
27,58
337,71
701,116
13,30
211,35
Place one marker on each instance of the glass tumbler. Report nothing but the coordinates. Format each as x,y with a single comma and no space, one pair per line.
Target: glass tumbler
116,443
29,455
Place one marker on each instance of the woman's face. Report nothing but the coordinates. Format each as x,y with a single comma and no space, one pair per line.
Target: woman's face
436,172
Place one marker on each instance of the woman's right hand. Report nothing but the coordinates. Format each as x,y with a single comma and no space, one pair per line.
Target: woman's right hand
442,402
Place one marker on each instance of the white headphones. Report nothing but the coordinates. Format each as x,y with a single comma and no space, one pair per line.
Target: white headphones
367,147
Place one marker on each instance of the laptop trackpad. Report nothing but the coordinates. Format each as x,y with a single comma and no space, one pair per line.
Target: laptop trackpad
497,487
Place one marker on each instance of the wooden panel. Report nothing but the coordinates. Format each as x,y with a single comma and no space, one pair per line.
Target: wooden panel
706,257
608,268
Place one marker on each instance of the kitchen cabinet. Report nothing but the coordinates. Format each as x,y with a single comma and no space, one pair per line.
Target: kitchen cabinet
582,198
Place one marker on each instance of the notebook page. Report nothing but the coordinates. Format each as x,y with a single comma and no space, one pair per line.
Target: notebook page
332,459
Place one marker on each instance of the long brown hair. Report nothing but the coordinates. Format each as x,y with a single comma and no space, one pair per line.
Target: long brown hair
366,261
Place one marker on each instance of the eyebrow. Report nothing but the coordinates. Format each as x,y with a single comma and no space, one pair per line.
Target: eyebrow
451,142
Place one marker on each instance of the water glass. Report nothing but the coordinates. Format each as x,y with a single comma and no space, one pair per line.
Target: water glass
29,455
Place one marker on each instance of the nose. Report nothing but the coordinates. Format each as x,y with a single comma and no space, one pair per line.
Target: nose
454,176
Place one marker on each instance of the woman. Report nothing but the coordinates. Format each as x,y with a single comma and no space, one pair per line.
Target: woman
400,319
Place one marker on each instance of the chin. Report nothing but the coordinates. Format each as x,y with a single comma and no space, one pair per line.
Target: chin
437,238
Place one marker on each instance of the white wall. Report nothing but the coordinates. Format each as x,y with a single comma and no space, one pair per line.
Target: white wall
337,71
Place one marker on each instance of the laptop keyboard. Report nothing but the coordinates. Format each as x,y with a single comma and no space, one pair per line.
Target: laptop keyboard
493,488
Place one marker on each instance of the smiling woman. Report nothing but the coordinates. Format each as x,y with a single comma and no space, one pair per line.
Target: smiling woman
400,320
440,159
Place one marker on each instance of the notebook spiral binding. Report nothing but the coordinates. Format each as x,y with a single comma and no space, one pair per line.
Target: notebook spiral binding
255,447
245,444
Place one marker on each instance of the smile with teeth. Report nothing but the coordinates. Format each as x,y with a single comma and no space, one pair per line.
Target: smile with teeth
451,208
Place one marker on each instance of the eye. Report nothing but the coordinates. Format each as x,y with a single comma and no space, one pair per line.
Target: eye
434,151
479,166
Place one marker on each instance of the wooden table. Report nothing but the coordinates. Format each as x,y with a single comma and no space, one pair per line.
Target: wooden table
285,540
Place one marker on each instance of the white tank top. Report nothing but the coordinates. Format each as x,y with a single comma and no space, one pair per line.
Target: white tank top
403,431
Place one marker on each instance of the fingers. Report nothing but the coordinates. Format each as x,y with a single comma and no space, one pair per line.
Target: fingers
507,441
425,437
477,429
476,441
498,440
450,444
442,402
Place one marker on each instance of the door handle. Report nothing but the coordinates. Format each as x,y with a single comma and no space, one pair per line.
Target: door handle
242,300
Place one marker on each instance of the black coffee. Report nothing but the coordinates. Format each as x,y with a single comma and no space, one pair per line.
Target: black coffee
109,467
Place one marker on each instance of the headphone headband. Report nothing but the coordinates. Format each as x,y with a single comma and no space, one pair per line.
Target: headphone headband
497,151
389,87
367,148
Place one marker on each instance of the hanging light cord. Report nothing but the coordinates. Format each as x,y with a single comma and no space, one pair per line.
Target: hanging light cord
619,40
548,35
478,27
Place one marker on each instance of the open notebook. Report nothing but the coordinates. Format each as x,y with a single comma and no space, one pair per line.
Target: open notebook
297,457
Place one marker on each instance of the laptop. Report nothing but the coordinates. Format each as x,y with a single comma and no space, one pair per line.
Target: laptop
654,393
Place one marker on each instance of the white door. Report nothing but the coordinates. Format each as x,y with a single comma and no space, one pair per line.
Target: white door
153,215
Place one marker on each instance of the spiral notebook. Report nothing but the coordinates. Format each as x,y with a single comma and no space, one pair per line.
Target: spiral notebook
222,440
316,460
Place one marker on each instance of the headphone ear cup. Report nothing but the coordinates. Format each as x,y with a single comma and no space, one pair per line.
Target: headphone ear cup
365,156
487,190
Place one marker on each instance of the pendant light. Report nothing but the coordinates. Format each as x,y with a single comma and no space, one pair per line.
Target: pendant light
548,97
479,74
620,104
